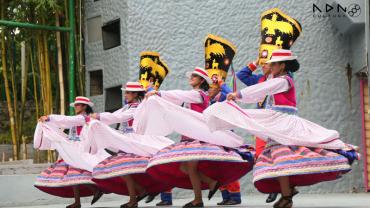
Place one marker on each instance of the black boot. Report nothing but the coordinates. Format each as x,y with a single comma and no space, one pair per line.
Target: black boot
225,197
232,202
223,202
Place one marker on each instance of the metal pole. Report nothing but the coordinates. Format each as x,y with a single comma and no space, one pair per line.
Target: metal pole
32,26
71,54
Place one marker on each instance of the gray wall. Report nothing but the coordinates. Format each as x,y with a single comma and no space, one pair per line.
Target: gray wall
177,30
113,61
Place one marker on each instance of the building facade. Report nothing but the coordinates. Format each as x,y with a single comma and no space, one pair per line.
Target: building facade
331,83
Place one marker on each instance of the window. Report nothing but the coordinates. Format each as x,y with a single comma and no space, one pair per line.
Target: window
113,99
111,34
96,82
94,29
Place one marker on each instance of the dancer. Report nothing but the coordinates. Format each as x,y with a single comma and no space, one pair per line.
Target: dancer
273,37
61,179
124,173
194,164
246,76
219,54
146,64
298,152
230,192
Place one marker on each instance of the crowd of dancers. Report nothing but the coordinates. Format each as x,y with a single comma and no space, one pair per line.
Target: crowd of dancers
138,160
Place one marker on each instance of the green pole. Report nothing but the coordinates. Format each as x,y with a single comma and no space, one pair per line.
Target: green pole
33,26
71,54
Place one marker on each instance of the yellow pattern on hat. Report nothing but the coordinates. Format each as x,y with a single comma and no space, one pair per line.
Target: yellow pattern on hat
219,54
153,69
278,31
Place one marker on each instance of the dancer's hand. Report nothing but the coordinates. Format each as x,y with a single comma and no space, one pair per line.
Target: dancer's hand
257,61
232,96
94,116
150,86
220,82
43,118
151,93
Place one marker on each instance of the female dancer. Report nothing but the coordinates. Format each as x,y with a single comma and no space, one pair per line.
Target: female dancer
230,192
124,173
61,179
249,78
192,163
246,76
298,152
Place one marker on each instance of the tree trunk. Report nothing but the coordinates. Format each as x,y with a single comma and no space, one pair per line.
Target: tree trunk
35,89
24,76
43,86
12,70
47,75
7,90
60,68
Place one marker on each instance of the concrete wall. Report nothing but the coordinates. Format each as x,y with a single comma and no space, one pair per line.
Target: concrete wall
176,29
113,61
6,152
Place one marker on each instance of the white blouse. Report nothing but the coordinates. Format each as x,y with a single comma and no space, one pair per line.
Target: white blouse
66,122
179,97
119,116
258,92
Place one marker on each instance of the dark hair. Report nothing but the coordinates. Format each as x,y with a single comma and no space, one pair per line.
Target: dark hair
89,110
291,65
140,95
204,86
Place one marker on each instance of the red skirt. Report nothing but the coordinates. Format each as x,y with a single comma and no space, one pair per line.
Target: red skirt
218,163
303,165
108,174
60,178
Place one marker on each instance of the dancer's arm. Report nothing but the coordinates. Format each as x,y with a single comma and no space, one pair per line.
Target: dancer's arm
258,92
182,96
119,116
63,121
225,90
179,97
246,75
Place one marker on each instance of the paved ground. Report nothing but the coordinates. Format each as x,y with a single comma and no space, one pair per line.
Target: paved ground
361,200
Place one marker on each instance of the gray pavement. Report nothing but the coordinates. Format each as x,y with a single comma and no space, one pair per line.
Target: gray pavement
360,200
